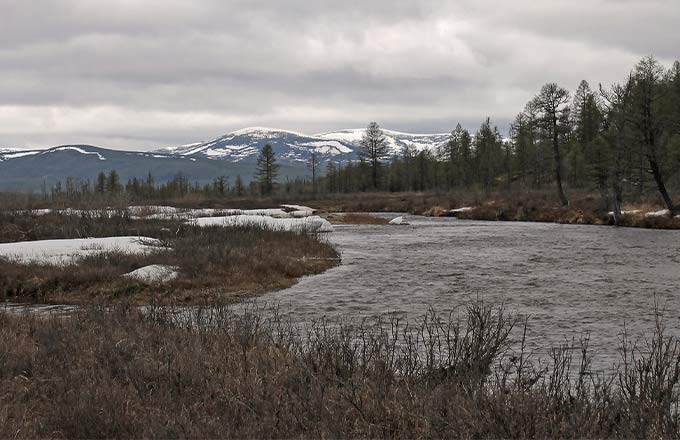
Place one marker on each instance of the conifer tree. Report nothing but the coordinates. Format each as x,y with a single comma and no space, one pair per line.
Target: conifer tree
552,107
267,169
374,150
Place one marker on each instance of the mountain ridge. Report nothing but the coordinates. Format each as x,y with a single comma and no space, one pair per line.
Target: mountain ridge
292,146
233,154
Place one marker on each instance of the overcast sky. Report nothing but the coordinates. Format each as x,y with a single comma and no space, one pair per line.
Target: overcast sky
133,74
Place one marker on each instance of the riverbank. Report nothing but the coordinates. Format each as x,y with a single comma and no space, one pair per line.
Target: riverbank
214,374
530,206
164,259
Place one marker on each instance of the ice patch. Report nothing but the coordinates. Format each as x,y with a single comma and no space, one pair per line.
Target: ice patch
67,251
661,213
398,221
154,273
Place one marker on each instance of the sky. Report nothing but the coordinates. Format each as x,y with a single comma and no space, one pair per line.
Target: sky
130,74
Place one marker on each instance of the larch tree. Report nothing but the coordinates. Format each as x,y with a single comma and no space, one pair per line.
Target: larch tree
220,185
648,95
523,139
267,169
313,164
100,185
587,122
616,106
451,154
374,150
488,154
113,182
552,107
239,188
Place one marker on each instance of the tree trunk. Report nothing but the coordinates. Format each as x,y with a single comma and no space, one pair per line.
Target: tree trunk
658,178
616,203
558,165
375,173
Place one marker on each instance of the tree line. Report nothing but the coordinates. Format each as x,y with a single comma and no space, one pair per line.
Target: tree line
107,186
619,140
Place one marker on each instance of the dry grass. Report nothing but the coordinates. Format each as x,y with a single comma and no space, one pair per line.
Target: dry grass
412,203
582,211
215,263
525,205
209,373
355,218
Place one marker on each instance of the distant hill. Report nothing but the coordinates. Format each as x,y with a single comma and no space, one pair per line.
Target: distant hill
229,155
296,148
26,170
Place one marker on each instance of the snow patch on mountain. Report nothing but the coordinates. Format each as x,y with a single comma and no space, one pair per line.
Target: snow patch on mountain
13,153
294,147
76,149
246,144
396,140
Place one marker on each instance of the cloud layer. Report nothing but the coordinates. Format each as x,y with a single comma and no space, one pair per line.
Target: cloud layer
137,75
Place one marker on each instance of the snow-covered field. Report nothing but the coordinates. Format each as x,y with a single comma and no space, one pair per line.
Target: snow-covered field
68,251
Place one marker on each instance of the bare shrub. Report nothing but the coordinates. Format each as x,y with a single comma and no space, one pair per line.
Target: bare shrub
213,372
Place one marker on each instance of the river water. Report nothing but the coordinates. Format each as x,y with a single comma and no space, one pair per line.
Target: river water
570,279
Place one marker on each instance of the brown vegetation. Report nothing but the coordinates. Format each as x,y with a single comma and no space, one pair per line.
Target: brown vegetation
354,218
210,373
215,263
532,206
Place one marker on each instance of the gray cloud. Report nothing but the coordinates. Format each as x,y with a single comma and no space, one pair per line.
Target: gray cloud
130,74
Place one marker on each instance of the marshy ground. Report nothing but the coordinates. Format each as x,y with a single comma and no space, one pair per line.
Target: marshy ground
213,263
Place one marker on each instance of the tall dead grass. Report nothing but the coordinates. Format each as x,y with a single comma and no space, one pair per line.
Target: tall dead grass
214,373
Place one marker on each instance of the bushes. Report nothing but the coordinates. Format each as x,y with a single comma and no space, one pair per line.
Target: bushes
213,373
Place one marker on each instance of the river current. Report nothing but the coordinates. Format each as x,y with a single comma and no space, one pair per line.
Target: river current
570,280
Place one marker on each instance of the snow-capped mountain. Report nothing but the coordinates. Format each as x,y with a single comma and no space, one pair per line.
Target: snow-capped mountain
27,170
245,145
292,147
231,155
396,141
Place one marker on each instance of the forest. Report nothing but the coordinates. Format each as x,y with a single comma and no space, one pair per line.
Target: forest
621,142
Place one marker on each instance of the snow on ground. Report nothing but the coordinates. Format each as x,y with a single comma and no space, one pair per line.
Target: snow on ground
632,212
464,209
285,211
68,250
306,224
661,213
71,211
399,221
169,212
154,273
299,210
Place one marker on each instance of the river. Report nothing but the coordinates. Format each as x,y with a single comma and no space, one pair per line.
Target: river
570,279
